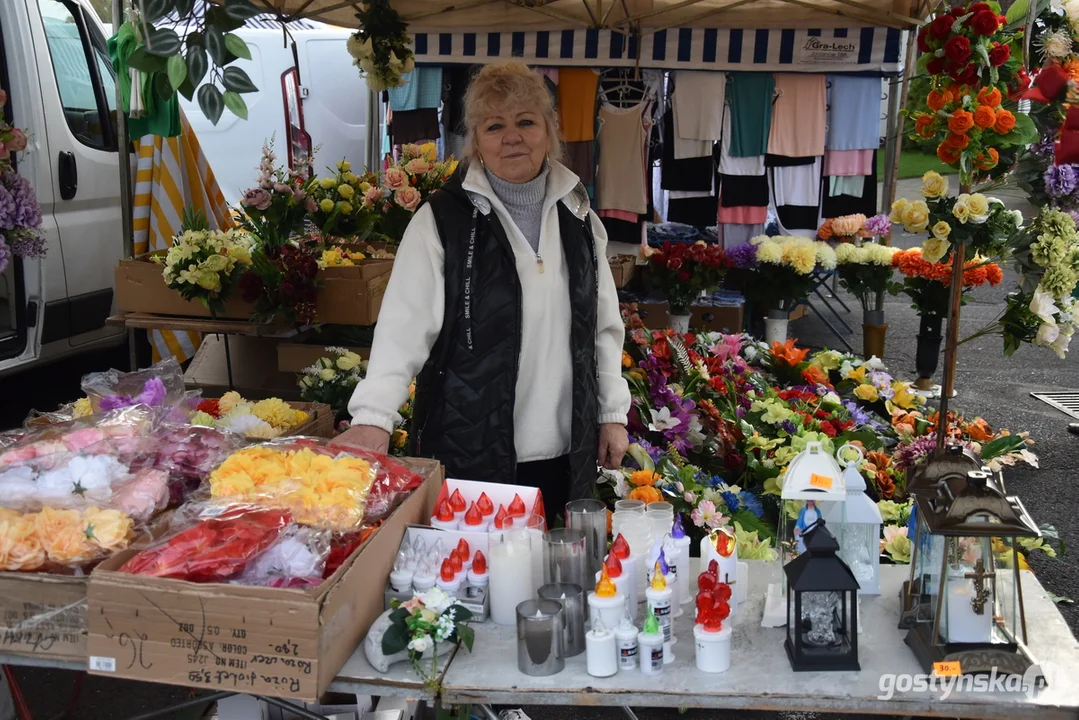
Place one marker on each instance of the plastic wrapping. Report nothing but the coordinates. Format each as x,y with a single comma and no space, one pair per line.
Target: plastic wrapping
218,545
159,385
188,453
60,540
323,486
296,560
394,480
125,433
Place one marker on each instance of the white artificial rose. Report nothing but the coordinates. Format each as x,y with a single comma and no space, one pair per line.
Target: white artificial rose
1043,305
420,644
1017,218
436,600
1047,334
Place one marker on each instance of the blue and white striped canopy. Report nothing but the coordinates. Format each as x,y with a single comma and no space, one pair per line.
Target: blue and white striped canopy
861,50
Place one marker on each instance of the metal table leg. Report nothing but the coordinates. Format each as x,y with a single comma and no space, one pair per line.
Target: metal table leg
831,327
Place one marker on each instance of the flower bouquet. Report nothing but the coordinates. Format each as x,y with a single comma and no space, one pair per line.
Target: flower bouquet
684,271
61,540
423,622
380,48
405,185
865,272
160,385
340,202
275,208
20,213
844,229
928,283
205,265
332,379
262,420
283,283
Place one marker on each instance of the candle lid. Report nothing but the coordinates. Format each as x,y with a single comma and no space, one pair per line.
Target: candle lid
627,623
612,566
457,502
445,512
501,518
658,581
447,573
620,548
597,627
678,532
401,561
651,624
517,507
462,548
661,563
455,561
473,516
486,507
605,588
479,563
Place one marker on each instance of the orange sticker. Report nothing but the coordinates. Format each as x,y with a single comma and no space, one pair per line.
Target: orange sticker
822,481
947,669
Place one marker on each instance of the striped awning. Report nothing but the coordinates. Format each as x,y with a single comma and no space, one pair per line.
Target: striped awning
862,50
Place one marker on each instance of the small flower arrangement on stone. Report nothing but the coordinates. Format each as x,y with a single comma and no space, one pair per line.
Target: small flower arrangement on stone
423,622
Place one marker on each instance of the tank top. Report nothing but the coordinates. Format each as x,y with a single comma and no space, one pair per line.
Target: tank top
621,184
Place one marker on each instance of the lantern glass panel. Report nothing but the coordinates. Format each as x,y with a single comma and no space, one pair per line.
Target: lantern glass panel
800,515
860,549
928,553
824,624
1007,619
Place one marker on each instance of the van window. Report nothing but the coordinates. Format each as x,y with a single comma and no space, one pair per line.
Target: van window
88,93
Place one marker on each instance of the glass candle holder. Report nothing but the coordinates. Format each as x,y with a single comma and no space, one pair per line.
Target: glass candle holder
590,517
536,525
564,558
633,506
573,602
540,637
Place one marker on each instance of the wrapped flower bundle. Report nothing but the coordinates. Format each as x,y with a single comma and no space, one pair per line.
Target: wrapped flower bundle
262,420
53,539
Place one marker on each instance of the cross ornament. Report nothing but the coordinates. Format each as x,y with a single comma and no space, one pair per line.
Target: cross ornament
981,589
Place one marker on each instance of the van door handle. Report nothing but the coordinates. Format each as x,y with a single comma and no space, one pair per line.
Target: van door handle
69,175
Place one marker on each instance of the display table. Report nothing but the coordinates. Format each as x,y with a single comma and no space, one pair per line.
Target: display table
760,677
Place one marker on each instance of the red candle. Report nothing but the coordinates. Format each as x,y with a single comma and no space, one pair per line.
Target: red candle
613,565
457,501
502,518
455,561
517,507
445,512
620,548
479,563
473,516
447,572
462,548
485,505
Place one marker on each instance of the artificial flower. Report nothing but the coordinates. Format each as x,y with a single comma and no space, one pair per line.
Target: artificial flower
934,185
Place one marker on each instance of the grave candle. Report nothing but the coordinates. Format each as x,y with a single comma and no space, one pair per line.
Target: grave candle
485,506
444,517
573,605
672,582
605,601
659,606
962,624
602,653
465,552
401,577
477,575
457,503
626,635
539,637
447,578
424,579
510,573
474,520
681,559
650,642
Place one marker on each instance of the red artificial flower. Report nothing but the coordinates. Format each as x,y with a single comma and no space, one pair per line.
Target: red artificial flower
941,27
935,66
923,43
957,50
844,425
999,54
976,8
719,385
210,406
828,429
984,22
684,275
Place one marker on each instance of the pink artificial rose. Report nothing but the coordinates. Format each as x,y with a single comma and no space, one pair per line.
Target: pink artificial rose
310,205
300,194
256,198
282,188
18,141
17,455
3,97
373,196
143,495
408,197
395,178
81,439
418,166
412,604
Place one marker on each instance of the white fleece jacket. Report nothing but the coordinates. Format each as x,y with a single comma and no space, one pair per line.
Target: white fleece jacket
412,313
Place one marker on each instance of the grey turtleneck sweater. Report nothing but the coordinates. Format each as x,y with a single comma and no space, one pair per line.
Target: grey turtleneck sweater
524,201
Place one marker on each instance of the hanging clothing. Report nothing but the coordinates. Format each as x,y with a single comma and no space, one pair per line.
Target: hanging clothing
797,198
799,116
580,157
698,211
577,103
853,185
785,161
693,174
455,145
455,80
423,89
698,101
730,235
866,203
621,184
146,113
730,165
751,103
686,148
847,162
743,191
744,215
415,126
854,113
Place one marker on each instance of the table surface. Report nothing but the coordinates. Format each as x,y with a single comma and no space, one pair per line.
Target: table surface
760,677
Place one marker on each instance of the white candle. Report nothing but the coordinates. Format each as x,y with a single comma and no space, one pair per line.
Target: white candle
659,602
423,580
728,568
713,649
963,625
601,651
608,609
401,580
449,587
651,652
626,635
535,537
510,576
444,524
677,555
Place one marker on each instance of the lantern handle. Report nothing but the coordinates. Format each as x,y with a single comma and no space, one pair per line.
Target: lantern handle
843,463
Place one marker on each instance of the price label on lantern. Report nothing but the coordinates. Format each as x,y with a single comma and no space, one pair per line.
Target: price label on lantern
823,482
947,669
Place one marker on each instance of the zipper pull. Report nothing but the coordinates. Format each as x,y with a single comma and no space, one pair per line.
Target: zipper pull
539,262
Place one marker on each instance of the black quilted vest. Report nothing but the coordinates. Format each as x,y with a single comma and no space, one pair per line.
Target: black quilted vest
465,394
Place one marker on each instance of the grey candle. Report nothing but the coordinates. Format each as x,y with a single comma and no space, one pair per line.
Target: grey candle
540,637
564,558
572,599
590,516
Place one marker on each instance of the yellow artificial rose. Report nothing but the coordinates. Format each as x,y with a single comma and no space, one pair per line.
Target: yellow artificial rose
326,205
69,547
24,552
941,230
866,392
327,374
934,249
326,183
961,211
348,361
364,187
350,178
108,529
215,263
240,254
916,217
898,208
51,522
430,152
344,207
979,208
344,166
346,191
82,408
934,185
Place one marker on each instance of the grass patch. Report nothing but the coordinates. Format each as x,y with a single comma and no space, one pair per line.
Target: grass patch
914,164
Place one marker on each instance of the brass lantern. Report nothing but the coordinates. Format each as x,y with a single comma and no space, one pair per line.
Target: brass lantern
964,599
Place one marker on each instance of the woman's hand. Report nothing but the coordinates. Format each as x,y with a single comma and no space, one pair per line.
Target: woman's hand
613,443
364,437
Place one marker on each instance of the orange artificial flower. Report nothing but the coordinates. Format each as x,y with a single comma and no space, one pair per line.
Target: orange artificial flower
979,431
627,361
814,375
936,100
990,97
644,478
1072,68
825,231
987,160
994,274
1005,122
961,122
881,460
645,494
885,485
787,353
948,154
959,142
984,117
923,126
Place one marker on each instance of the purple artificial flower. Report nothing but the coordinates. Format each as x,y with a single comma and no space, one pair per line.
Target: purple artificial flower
1045,147
8,209
29,245
878,225
27,209
256,198
858,416
115,402
1060,180
5,255
743,256
788,427
153,393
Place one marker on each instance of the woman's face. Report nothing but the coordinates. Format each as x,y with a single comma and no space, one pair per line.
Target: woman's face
513,143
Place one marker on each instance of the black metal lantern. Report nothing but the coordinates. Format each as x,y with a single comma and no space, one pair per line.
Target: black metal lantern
964,600
822,606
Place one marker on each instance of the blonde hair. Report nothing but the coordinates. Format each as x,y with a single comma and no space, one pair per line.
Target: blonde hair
509,84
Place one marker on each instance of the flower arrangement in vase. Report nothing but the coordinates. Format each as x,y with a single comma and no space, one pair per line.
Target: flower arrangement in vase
274,210
380,48
865,272
20,213
282,283
205,265
683,271
332,378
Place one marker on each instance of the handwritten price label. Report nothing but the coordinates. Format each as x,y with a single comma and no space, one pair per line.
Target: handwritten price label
947,669
820,481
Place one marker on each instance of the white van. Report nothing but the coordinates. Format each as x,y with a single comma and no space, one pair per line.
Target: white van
333,97
61,90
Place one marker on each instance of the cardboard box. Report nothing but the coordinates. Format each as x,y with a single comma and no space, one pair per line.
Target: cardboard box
349,295
254,370
264,641
295,357
718,318
622,267
319,423
43,615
